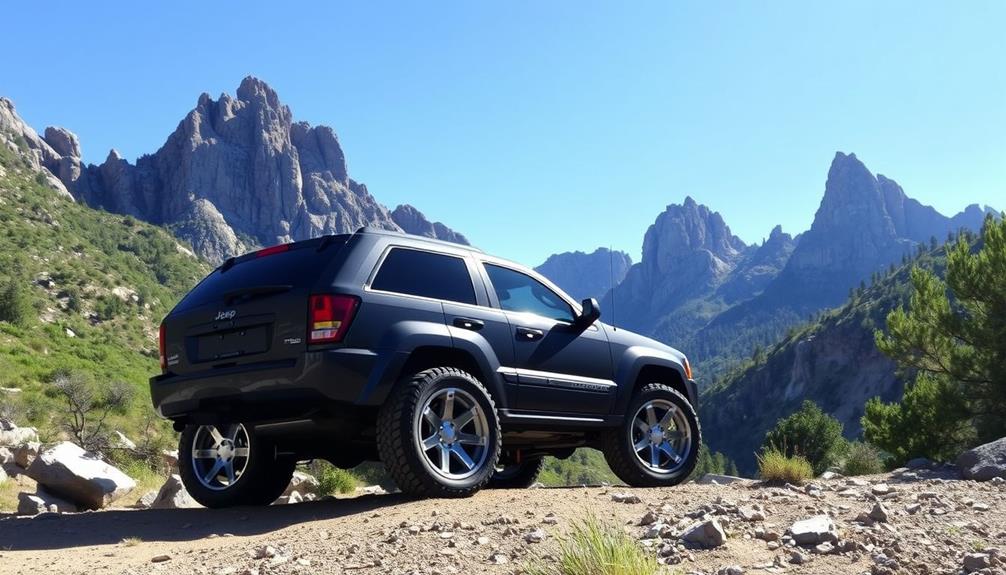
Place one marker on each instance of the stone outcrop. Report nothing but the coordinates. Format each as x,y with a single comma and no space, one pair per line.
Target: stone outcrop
584,275
984,462
13,436
67,471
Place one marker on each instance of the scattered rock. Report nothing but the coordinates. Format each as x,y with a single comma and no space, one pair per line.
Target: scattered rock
753,513
705,534
160,558
535,536
625,498
173,495
68,471
881,489
798,558
6,456
649,518
26,453
731,570
303,483
913,508
498,558
817,529
984,462
976,562
879,513
146,500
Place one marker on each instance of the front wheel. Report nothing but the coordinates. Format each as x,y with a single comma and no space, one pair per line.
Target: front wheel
228,465
438,434
658,443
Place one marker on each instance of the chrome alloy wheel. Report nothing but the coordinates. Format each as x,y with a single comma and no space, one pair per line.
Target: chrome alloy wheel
452,433
220,455
661,436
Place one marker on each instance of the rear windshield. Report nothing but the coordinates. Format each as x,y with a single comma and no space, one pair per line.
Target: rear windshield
297,267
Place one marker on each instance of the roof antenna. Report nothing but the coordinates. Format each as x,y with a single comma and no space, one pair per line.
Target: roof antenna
611,281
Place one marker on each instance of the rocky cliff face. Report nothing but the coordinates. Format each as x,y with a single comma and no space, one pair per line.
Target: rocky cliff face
36,151
583,275
238,172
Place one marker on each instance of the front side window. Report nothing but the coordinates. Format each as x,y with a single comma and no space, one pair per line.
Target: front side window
521,292
426,274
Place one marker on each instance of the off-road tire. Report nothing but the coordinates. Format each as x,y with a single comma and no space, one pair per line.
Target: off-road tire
397,444
617,447
264,480
524,476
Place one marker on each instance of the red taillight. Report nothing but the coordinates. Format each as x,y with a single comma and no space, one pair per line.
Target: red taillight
161,348
272,250
329,317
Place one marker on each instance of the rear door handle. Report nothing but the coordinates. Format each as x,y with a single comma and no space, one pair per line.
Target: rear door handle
469,323
529,334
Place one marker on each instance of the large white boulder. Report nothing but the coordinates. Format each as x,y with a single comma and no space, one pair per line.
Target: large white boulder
173,495
68,471
984,462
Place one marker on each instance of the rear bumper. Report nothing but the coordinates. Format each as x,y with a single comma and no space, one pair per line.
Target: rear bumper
274,390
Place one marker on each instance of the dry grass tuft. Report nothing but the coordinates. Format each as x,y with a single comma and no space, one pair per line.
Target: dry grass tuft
774,465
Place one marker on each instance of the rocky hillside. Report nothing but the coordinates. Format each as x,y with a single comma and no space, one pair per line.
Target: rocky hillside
584,275
238,172
832,361
82,289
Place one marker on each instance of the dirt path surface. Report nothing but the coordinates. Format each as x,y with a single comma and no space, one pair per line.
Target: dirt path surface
931,524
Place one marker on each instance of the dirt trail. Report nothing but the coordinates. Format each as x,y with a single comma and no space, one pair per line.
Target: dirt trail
932,524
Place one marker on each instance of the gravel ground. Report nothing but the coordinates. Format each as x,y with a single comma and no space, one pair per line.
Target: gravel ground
932,523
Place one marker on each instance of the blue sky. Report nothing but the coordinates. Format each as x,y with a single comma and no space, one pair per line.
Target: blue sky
537,127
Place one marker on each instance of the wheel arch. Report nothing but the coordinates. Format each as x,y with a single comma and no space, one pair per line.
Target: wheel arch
640,368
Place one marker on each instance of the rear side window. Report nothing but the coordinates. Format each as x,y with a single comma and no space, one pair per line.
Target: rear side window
426,274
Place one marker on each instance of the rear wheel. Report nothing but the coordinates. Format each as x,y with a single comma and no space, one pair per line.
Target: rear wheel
517,475
438,434
228,465
658,443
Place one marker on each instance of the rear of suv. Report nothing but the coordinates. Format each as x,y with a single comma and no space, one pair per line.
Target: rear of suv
454,368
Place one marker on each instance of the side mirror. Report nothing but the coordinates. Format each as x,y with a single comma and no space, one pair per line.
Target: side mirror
590,313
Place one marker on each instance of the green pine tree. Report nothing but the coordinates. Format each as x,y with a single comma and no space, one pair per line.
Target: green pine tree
952,341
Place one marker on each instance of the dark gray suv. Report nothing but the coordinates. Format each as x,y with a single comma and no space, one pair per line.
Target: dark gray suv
456,369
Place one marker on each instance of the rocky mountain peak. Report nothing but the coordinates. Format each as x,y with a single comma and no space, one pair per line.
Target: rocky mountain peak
236,173
685,230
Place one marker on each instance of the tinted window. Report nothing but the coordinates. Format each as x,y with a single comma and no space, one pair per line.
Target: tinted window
425,274
521,292
300,266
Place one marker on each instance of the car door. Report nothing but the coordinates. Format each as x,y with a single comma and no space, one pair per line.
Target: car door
560,367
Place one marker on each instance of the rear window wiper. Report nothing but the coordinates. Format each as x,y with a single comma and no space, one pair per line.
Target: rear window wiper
255,291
